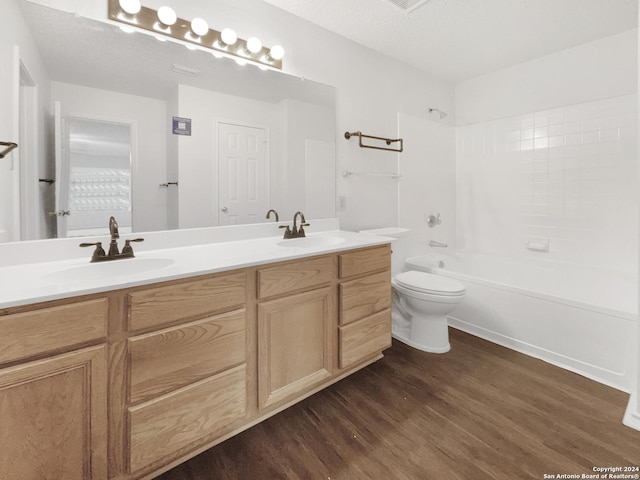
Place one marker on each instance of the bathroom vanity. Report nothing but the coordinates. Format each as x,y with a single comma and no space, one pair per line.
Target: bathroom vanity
124,381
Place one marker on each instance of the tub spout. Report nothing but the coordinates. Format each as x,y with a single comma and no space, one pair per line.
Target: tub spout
433,243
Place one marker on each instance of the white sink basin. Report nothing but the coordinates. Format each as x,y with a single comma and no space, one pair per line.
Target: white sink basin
311,242
109,269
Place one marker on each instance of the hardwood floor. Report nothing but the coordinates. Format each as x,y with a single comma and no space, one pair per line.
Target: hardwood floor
478,412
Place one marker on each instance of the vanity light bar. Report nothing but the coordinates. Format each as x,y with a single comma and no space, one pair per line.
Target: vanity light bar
147,19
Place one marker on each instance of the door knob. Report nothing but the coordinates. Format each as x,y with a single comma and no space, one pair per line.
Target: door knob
224,209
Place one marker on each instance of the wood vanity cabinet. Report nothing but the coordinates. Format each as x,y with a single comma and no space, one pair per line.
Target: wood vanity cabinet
365,304
126,385
186,368
53,392
296,321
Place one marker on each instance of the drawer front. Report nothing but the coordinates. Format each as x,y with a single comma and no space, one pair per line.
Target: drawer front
365,261
161,362
160,428
161,305
364,338
365,296
295,276
40,331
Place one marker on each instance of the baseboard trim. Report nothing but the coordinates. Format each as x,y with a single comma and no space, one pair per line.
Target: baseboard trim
632,415
587,370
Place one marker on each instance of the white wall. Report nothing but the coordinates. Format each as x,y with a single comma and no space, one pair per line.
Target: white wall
632,414
197,166
428,182
553,169
308,178
150,169
601,69
16,45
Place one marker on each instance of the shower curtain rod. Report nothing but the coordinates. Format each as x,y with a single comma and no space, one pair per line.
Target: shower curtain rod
388,141
10,146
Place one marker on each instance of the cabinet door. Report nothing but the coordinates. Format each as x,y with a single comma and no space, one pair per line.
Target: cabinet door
54,415
294,344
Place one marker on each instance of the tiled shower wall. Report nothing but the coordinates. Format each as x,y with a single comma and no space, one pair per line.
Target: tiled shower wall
566,177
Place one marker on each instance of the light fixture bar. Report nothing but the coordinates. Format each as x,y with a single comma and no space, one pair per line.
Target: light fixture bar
147,19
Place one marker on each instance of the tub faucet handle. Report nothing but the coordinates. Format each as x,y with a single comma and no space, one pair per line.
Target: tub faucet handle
433,220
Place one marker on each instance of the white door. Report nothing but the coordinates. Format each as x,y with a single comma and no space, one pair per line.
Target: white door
93,175
243,174
61,133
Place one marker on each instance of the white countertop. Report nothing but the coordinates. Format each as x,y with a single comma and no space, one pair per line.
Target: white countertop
22,284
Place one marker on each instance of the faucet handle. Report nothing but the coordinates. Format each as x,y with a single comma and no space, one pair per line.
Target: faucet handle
301,232
287,232
97,253
127,250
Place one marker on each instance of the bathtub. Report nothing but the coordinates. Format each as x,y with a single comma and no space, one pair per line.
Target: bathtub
580,319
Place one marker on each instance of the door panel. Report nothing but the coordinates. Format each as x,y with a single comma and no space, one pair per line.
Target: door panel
243,174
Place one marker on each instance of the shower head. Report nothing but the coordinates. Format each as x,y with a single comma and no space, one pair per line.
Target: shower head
440,112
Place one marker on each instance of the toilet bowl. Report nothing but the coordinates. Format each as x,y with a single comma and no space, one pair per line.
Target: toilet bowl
422,300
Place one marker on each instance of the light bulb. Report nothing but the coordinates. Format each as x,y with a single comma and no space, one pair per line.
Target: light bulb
240,61
276,52
228,36
167,16
199,26
126,29
254,45
130,6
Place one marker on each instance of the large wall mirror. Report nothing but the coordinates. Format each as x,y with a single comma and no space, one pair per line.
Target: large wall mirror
246,140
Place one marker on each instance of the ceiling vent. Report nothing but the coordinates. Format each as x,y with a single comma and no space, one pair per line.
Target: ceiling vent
407,6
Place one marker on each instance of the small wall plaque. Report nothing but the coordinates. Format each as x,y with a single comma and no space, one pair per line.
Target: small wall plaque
181,126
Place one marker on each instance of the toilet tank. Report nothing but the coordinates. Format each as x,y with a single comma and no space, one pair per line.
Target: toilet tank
399,246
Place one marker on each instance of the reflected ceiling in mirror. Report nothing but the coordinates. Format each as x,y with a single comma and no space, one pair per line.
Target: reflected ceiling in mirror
86,52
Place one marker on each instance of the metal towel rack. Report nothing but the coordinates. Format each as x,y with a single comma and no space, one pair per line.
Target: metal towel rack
10,146
347,173
388,141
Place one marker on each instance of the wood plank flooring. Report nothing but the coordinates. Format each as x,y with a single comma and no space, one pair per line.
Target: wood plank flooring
479,412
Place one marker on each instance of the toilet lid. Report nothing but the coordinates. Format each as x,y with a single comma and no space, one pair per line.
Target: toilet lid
430,283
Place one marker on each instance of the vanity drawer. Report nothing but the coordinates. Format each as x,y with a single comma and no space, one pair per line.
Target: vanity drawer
364,296
162,427
296,276
364,338
163,361
39,331
161,305
365,261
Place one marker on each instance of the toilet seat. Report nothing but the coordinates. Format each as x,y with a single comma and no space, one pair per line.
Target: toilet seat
429,283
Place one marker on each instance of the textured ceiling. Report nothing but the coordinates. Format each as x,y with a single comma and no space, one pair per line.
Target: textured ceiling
460,39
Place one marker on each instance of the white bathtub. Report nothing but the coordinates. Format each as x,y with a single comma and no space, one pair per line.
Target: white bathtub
581,319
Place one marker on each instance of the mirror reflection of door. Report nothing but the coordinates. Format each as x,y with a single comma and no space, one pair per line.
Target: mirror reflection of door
243,174
93,176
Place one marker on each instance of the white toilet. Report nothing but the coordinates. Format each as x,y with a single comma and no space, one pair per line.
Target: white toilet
422,300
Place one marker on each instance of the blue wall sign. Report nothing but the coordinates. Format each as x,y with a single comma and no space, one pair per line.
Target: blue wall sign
181,126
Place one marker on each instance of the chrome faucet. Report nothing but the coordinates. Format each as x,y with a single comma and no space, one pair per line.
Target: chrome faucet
296,232
127,251
275,213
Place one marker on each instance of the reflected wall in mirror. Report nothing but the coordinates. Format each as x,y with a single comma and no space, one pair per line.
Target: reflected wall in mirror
259,139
